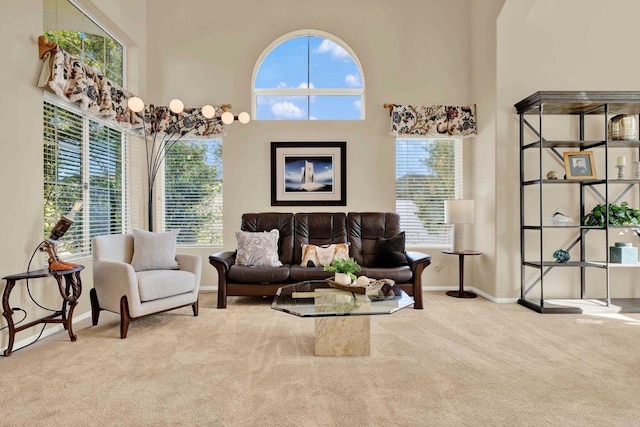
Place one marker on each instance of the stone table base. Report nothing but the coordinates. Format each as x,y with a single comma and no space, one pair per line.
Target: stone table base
343,336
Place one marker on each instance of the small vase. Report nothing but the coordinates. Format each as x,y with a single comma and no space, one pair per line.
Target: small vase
342,278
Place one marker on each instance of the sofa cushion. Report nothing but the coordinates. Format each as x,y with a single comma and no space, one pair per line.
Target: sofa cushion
258,249
365,228
318,228
323,255
258,275
154,251
299,273
156,284
390,251
398,274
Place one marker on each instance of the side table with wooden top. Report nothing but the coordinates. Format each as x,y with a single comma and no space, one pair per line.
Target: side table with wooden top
461,293
70,287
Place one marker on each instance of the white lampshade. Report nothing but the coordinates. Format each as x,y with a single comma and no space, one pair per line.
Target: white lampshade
208,111
459,211
135,104
227,117
244,117
176,106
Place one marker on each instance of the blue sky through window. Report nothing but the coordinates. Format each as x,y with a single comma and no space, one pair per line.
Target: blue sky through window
309,64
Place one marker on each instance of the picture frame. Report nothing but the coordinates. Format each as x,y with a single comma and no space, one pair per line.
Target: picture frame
309,173
579,165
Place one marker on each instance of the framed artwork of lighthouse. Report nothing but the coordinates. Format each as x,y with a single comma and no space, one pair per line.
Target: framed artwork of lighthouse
309,173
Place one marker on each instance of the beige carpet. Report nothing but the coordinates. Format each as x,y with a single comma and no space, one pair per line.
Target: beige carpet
458,362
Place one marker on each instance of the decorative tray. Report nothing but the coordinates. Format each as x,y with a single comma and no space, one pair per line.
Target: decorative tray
373,286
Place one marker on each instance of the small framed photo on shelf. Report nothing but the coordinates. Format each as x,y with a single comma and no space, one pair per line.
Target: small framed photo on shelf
579,165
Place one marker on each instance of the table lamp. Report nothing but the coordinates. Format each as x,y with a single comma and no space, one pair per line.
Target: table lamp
459,212
50,243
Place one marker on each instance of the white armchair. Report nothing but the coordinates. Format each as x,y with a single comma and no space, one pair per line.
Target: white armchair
119,288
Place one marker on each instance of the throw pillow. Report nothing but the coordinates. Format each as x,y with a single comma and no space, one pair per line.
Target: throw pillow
154,251
258,249
318,256
390,252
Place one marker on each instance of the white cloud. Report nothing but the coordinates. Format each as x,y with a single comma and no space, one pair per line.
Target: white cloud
352,80
305,85
282,84
336,51
286,110
358,104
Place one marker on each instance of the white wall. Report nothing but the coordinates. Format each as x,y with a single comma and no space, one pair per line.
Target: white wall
414,52
553,45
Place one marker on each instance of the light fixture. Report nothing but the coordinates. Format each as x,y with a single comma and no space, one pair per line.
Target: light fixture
459,212
161,133
50,244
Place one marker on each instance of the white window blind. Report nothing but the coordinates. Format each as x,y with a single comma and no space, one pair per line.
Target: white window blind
83,160
428,171
193,191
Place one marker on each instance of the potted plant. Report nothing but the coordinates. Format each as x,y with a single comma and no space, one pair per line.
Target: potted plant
344,270
620,214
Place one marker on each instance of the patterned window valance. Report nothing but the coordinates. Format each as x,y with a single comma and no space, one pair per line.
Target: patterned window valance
433,120
72,80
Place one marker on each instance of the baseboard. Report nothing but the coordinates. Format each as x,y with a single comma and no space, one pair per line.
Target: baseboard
47,331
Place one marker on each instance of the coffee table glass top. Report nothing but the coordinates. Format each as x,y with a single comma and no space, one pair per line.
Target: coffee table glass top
316,298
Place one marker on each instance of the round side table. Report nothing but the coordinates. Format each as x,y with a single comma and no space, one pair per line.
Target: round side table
461,293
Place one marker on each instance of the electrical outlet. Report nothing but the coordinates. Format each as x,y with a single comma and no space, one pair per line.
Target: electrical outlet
437,266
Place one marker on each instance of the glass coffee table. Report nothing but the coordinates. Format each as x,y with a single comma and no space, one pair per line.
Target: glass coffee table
342,318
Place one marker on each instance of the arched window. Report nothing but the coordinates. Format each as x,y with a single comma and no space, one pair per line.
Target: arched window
308,75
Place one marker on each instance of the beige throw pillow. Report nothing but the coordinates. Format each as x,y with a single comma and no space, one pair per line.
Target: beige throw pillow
323,255
154,251
259,249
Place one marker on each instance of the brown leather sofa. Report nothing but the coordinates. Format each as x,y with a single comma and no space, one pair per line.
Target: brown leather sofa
360,229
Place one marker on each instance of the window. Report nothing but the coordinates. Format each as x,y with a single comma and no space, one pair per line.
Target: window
308,76
83,160
193,191
428,171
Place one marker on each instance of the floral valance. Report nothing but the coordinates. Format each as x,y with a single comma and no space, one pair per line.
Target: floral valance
433,120
74,81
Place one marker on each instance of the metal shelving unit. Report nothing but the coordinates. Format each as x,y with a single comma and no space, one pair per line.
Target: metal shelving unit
532,111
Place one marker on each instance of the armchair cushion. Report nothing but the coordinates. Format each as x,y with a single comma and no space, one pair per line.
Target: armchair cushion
259,249
156,284
154,251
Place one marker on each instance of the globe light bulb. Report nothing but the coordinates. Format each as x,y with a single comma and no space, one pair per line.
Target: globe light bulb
227,117
176,106
244,117
135,104
208,111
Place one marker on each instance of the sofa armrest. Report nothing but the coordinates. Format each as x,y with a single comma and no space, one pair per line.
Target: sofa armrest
112,280
223,260
418,261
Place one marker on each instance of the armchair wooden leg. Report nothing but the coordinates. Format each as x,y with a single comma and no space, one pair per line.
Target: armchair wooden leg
124,317
95,306
195,307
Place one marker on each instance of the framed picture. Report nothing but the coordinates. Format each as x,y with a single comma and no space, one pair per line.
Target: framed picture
309,173
579,165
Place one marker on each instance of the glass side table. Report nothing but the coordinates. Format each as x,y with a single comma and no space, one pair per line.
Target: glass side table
461,293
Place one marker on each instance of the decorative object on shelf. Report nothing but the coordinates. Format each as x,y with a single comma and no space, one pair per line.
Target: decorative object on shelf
558,218
579,165
344,269
620,215
623,253
163,127
50,244
621,164
561,256
552,175
458,213
636,169
623,127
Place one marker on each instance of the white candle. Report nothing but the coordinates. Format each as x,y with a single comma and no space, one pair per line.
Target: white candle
622,161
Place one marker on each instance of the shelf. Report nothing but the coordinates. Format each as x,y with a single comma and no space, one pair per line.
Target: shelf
583,306
573,227
538,264
583,144
566,181
580,102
